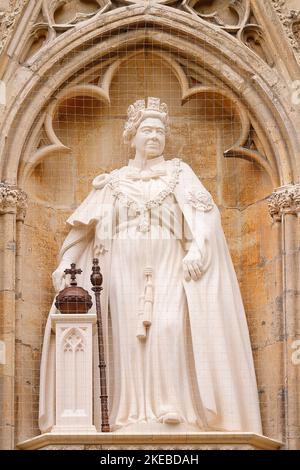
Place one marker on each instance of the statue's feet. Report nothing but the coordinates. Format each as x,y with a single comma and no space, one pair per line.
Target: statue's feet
171,418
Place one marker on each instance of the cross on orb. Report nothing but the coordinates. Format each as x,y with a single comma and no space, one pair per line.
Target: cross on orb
73,271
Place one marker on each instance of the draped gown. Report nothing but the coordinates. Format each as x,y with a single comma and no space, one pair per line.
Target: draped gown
193,360
153,375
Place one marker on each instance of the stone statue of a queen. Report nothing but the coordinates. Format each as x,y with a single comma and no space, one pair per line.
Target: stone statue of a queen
176,339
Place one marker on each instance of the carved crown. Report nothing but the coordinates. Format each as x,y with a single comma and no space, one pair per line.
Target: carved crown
153,104
139,109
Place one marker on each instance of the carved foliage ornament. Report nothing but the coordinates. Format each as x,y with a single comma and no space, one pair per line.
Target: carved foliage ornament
285,200
236,18
13,199
8,19
231,15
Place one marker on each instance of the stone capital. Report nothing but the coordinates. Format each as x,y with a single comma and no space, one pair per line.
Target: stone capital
284,200
13,200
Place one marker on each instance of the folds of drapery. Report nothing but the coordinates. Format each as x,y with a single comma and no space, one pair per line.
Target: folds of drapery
222,355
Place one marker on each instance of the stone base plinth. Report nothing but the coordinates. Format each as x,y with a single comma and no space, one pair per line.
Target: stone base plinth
161,441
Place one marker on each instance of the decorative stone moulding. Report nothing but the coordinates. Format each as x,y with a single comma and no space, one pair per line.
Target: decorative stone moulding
227,84
291,22
59,17
13,199
284,200
242,23
74,374
8,20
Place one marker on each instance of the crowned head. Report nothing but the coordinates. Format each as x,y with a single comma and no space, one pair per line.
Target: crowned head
140,111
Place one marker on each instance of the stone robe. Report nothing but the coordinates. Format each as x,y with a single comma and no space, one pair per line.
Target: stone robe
195,356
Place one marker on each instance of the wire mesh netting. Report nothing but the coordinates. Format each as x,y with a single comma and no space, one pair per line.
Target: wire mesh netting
80,110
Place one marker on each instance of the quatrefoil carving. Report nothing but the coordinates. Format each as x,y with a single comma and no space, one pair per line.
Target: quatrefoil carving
86,85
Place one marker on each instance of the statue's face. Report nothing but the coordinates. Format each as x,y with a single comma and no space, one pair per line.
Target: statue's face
150,138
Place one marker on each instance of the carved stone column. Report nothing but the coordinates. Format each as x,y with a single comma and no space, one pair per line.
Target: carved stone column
284,205
13,202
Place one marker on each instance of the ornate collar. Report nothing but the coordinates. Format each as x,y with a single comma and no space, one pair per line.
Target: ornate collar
144,207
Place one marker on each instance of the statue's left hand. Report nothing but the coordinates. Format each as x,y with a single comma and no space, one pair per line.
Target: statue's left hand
192,264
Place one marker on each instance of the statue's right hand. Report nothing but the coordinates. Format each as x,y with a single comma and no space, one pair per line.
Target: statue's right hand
192,264
59,279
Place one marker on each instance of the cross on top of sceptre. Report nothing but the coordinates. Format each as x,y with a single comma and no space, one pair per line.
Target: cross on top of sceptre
73,271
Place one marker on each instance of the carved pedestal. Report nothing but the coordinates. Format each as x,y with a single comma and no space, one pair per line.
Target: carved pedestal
74,373
162,441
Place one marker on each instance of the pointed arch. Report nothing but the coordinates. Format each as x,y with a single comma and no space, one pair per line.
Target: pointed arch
258,86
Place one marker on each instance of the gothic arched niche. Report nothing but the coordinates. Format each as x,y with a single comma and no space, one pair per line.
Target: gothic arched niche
78,135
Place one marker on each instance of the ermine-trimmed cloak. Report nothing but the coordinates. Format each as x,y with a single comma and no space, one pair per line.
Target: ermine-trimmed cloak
224,370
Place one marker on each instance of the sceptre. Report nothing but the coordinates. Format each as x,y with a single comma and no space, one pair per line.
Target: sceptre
96,280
